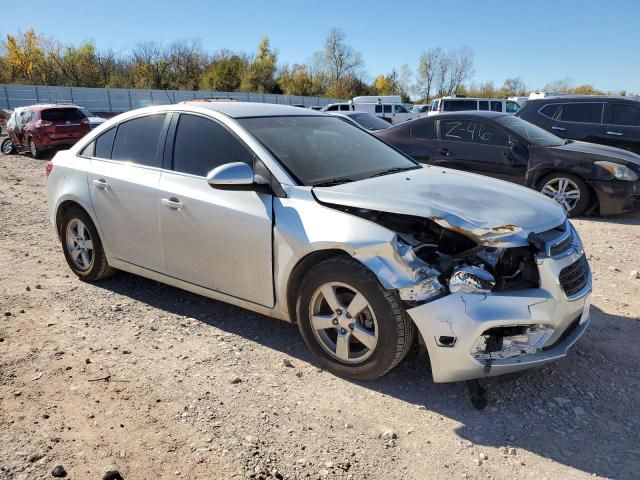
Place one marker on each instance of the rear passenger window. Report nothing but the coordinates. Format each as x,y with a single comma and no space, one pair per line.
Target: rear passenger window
496,106
422,130
378,108
550,110
387,108
623,114
483,105
344,108
104,144
137,140
332,108
582,112
459,105
202,145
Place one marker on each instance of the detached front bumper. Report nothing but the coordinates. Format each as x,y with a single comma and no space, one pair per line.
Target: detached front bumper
452,325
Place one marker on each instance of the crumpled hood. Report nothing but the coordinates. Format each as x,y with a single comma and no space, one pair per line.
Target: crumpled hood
490,211
594,150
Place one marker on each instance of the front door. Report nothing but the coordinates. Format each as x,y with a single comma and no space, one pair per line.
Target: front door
217,239
123,175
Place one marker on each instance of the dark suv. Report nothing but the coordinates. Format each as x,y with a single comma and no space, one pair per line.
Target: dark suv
613,121
42,127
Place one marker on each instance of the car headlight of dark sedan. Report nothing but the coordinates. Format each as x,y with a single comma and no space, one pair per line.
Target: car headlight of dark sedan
621,172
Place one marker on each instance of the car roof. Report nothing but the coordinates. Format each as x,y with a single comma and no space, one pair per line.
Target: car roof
251,109
479,114
582,98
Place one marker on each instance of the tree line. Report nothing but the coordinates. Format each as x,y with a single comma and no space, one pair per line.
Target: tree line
336,70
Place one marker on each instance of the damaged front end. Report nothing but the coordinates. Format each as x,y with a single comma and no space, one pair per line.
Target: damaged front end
487,306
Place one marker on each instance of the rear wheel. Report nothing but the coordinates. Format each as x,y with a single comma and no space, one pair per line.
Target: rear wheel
352,324
34,150
82,246
568,190
7,147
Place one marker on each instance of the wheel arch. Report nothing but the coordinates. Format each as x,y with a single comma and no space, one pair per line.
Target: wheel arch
301,269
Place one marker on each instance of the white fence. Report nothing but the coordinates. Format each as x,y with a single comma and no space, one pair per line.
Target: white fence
124,99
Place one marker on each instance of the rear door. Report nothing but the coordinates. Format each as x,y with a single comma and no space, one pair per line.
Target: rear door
580,121
622,127
124,176
217,239
471,145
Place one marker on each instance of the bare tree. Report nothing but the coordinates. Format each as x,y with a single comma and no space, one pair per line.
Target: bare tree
513,86
187,64
460,69
427,68
341,59
151,64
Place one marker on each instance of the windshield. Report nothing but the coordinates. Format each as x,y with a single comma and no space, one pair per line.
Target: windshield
321,150
530,132
61,114
370,122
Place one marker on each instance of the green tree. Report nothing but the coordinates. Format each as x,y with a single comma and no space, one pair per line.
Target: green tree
260,76
225,72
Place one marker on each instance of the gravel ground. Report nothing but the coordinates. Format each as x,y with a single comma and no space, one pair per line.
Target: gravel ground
159,383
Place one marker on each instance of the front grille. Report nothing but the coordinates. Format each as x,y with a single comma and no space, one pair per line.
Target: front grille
574,277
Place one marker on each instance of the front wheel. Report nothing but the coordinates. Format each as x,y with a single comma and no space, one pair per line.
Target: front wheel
352,324
7,147
568,190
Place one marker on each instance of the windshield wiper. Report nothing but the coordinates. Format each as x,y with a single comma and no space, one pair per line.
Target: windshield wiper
394,170
335,181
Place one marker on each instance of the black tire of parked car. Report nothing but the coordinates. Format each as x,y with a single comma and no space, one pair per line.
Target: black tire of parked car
396,330
33,149
585,193
7,147
100,268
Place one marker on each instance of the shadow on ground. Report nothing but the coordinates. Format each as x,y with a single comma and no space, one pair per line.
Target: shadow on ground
580,412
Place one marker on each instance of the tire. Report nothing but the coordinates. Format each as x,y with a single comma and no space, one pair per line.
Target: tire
558,184
7,147
33,149
88,266
383,317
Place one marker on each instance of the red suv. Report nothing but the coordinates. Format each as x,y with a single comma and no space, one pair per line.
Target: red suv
42,127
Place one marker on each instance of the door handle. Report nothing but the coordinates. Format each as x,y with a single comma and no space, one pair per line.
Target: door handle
172,203
560,129
101,184
617,134
444,152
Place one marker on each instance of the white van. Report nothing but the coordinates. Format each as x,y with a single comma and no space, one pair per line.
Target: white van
463,104
389,107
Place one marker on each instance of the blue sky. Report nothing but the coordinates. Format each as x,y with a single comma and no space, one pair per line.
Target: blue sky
587,41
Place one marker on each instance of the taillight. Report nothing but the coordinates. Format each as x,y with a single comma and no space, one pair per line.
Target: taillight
48,168
43,123
85,121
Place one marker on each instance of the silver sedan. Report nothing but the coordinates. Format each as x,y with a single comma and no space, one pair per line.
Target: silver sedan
305,218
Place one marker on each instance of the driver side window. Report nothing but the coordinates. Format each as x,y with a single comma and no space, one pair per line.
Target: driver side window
201,145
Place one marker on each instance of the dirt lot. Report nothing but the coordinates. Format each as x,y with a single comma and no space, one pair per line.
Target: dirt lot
201,389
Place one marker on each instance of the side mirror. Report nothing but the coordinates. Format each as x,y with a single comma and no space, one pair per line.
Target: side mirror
230,176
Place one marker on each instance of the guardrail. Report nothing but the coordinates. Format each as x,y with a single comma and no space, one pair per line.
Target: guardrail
124,99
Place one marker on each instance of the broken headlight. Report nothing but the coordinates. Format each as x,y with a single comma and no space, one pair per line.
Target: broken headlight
508,342
427,289
471,279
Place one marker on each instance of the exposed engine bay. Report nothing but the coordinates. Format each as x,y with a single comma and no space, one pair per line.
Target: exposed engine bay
453,262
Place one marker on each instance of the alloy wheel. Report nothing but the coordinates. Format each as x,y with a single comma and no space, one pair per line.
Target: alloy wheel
7,146
562,190
343,322
79,244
